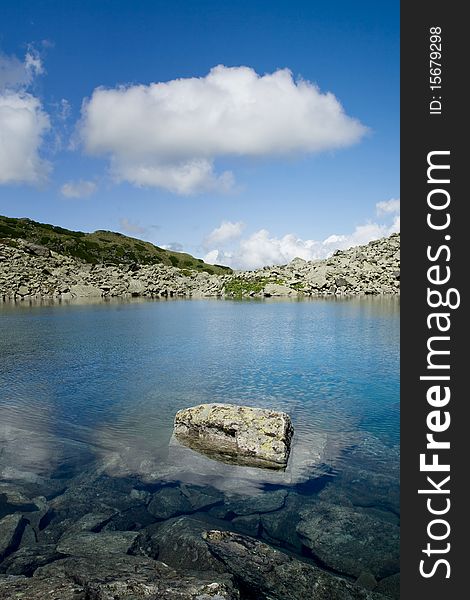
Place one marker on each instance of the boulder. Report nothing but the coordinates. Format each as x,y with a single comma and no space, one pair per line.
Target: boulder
276,289
242,505
251,436
350,540
269,574
131,577
90,544
26,560
11,530
181,545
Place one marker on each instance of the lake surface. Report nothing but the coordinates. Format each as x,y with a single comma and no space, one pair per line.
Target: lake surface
89,384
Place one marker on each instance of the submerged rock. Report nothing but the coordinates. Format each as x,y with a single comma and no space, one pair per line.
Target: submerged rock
251,436
269,574
172,501
350,540
90,544
182,546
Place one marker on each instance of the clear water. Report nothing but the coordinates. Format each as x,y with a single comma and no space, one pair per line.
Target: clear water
81,383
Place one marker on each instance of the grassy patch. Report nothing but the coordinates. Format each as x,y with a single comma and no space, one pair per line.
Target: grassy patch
239,287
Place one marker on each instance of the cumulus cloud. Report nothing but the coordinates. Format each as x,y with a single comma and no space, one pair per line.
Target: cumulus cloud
130,227
388,206
169,134
23,122
78,189
261,249
226,232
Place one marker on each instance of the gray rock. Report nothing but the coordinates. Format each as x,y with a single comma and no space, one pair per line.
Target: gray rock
350,540
260,503
270,574
36,249
276,289
279,526
27,559
97,544
182,546
249,525
252,436
90,522
85,291
201,497
41,273
11,530
136,578
29,588
169,502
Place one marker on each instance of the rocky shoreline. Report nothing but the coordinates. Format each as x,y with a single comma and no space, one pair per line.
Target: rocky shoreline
32,272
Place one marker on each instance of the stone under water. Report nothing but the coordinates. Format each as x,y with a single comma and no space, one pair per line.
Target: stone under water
239,434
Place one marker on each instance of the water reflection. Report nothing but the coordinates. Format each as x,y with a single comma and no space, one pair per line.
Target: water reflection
102,381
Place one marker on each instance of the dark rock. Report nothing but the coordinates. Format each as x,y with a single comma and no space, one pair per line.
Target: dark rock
136,578
26,560
92,522
169,502
260,503
359,487
29,536
11,530
182,546
367,580
249,525
390,586
133,519
201,497
29,588
350,540
97,544
279,526
270,574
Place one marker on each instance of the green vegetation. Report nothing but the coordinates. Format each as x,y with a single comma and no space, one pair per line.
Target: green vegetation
101,246
239,287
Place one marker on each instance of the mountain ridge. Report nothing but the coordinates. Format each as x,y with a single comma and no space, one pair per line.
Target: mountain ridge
101,246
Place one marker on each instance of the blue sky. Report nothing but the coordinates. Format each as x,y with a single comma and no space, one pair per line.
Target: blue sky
239,185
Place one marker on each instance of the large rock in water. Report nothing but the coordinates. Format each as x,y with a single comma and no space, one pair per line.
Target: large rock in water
251,436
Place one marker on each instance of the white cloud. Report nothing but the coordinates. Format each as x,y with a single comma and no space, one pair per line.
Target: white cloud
130,227
23,122
78,189
261,249
16,74
388,206
226,232
175,246
169,134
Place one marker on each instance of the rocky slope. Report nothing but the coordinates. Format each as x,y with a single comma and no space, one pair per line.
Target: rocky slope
100,246
33,271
